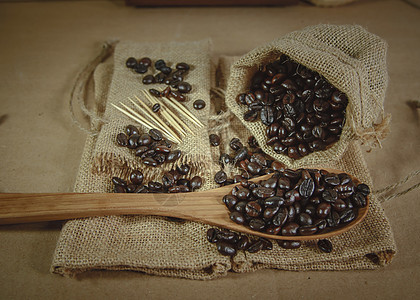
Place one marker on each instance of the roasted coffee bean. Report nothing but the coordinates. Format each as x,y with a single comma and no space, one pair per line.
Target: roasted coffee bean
122,140
173,156
178,96
263,192
184,87
254,168
237,217
119,181
196,182
329,195
255,246
225,248
256,224
168,180
323,209
363,189
140,150
136,177
149,79
144,140
304,219
119,189
242,154
133,141
131,129
145,61
140,68
131,63
253,209
155,134
149,161
166,70
243,243
199,104
214,140
339,205
183,169
321,224
183,181
325,246
159,64
156,107
286,244
306,188
250,115
155,93
333,219
227,236
347,216
307,230
220,177
266,244
241,193
182,66
267,115
290,229
155,186
235,144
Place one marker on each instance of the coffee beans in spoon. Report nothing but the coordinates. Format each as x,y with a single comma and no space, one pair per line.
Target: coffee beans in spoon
302,111
297,202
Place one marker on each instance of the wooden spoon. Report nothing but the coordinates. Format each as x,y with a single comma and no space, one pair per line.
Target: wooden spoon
205,207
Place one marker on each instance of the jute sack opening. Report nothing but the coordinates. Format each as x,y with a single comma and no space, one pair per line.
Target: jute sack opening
349,57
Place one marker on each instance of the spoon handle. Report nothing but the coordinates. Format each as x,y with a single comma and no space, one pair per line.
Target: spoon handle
37,207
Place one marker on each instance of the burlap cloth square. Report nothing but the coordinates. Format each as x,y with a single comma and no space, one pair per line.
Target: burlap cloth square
155,245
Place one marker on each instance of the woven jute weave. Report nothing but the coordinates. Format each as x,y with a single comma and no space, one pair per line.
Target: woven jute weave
155,245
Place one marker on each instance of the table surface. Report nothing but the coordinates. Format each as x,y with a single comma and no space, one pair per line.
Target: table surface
45,44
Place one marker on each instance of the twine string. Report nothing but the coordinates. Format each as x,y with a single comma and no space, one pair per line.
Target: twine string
79,88
384,190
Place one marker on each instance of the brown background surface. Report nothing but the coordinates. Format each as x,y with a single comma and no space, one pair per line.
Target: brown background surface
43,47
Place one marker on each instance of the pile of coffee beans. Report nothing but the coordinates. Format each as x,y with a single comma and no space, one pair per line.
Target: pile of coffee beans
174,181
252,161
166,75
228,242
297,202
152,147
303,112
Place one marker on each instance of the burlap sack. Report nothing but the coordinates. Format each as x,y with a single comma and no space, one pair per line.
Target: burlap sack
349,57
155,245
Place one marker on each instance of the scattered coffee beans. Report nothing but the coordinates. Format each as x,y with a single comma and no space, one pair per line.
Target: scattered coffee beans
229,243
152,147
171,182
295,202
166,75
214,140
303,112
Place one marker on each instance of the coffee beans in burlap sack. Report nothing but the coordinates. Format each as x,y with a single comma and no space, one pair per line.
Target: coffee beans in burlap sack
351,59
151,244
369,245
